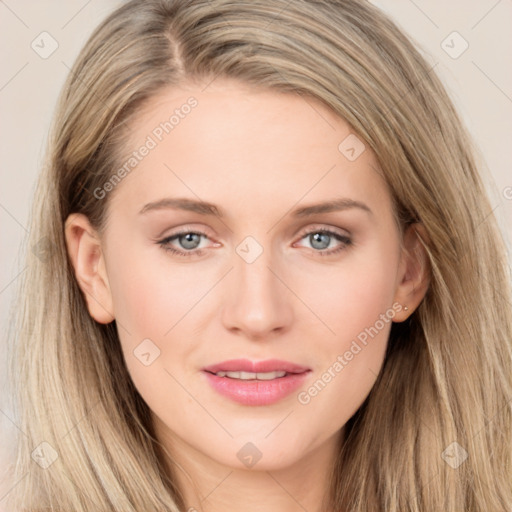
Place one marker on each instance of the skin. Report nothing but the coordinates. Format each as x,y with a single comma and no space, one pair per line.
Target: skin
257,155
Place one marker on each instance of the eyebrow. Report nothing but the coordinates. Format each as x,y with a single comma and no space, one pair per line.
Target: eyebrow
205,208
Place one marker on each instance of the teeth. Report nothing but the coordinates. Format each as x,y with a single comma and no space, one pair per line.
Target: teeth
252,376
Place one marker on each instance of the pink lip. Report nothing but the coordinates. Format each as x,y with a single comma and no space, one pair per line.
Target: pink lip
256,392
244,365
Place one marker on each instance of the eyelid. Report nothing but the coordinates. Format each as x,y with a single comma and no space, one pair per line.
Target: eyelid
182,229
323,227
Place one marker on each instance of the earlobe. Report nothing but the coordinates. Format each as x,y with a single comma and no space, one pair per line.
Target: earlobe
85,251
414,274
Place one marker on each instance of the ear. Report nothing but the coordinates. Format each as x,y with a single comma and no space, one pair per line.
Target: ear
414,271
84,249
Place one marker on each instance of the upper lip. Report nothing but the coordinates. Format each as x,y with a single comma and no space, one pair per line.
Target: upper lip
245,365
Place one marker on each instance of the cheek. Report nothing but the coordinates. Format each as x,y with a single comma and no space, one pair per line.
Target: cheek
156,306
150,297
350,295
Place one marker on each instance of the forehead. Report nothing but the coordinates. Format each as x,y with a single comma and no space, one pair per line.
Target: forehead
244,147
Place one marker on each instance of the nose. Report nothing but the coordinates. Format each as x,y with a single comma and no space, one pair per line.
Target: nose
259,302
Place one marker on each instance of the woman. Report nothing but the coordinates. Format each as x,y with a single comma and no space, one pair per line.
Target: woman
272,281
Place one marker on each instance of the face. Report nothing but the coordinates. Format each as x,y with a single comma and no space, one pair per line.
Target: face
291,273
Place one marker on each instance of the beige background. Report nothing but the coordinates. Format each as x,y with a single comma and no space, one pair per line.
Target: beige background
479,81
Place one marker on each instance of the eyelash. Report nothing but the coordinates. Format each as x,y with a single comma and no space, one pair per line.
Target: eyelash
164,243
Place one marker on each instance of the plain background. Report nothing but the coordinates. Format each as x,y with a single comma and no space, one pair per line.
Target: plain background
479,80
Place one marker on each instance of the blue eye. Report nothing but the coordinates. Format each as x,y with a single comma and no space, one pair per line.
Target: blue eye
188,239
321,239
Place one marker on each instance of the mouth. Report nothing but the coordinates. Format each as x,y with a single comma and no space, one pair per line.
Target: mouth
256,383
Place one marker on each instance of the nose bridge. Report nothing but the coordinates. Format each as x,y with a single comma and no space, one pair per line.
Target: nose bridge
255,278
258,302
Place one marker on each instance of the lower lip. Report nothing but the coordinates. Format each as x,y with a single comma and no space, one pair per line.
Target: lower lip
257,392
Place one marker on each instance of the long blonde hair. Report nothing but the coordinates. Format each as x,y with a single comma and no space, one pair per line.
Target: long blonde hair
447,373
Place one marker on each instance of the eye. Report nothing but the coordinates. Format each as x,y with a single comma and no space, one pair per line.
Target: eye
322,238
187,239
